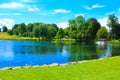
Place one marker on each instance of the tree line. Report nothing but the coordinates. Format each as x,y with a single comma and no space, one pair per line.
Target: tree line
78,29
39,30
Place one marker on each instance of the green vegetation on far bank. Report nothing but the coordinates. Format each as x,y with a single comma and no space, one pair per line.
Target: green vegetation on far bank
115,43
6,36
105,69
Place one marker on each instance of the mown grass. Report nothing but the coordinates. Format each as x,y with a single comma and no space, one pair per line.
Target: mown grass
106,69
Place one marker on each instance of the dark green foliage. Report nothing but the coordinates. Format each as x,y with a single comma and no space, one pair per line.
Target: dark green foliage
5,29
52,31
95,27
22,29
114,26
0,29
10,32
36,32
29,27
60,34
82,30
45,31
102,33
39,30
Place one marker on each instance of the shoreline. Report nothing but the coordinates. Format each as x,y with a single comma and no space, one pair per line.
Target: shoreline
53,64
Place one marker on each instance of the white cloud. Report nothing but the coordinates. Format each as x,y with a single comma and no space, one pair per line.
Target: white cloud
12,5
94,6
60,11
33,9
62,24
7,22
88,8
109,13
103,22
79,15
97,6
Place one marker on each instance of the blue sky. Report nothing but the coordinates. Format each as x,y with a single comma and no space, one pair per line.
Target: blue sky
55,11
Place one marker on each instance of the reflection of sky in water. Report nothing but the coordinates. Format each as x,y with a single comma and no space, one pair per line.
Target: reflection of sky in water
6,52
106,51
64,51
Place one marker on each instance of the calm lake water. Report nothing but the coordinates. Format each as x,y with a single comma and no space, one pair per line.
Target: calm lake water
19,53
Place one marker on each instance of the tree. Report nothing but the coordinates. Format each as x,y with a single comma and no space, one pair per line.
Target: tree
10,32
29,27
36,31
15,29
82,30
52,30
60,34
114,26
72,28
43,31
95,26
40,30
102,33
5,29
0,29
22,29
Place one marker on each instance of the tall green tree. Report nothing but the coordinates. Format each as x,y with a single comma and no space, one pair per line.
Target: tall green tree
10,32
52,30
29,27
60,33
83,30
72,28
36,31
102,33
22,29
95,27
5,29
40,30
114,26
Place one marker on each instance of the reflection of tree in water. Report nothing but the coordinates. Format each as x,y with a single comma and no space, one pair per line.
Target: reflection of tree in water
82,52
43,50
104,51
115,50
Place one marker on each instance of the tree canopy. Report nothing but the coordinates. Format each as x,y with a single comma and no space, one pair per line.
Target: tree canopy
102,33
4,28
83,30
114,26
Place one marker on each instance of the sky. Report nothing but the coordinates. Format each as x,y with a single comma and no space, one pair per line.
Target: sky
55,11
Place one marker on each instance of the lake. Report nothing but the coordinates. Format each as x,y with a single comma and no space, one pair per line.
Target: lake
19,53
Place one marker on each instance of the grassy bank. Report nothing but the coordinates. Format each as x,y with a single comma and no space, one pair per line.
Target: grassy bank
106,69
115,43
6,36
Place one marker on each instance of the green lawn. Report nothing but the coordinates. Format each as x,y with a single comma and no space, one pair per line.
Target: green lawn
106,69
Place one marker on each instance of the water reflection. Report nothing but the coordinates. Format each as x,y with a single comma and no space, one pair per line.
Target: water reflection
104,51
19,53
